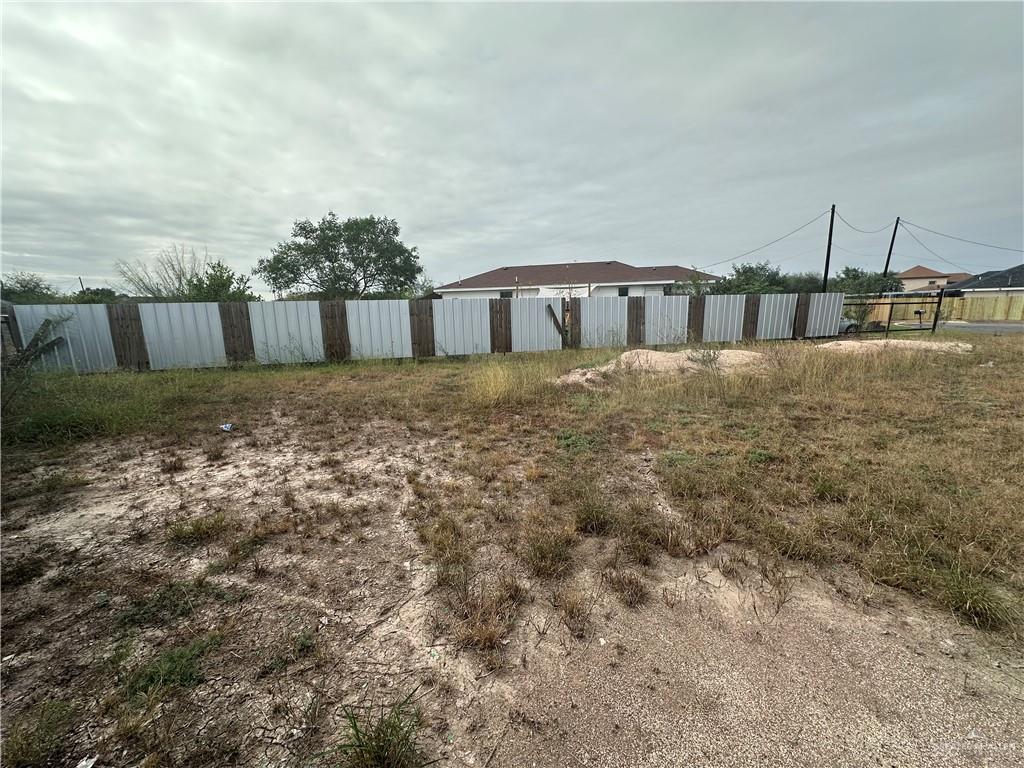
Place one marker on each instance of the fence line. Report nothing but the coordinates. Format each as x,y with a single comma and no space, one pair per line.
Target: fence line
100,337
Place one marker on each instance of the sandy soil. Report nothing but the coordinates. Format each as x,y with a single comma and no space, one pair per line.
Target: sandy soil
706,673
652,361
863,346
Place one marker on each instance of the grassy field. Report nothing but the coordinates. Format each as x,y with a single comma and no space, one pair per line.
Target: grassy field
902,467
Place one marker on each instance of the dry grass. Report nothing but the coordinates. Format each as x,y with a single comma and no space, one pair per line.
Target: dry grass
899,466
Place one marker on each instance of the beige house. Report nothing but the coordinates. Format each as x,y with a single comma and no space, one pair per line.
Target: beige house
919,278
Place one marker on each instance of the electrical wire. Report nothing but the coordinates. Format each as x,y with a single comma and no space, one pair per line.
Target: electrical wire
933,253
858,229
961,239
761,247
974,265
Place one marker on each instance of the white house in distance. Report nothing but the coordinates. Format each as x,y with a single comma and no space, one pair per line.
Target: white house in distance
577,278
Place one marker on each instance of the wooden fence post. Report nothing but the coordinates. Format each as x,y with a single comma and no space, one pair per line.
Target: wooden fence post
635,321
421,327
751,310
575,334
803,308
236,327
127,336
695,320
334,327
500,311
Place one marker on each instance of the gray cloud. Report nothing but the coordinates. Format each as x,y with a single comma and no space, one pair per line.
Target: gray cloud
511,134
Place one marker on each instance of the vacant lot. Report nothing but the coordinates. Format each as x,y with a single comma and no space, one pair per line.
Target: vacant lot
815,561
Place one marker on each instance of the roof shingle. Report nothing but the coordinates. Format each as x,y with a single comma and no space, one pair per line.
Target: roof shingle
575,273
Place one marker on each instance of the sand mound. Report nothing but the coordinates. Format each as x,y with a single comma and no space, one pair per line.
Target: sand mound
860,347
651,361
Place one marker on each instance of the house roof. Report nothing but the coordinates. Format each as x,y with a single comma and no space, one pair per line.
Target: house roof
1003,278
575,273
917,271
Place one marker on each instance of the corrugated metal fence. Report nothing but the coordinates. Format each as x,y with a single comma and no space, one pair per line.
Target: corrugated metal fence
100,337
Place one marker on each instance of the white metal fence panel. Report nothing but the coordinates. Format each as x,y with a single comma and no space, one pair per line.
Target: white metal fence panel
87,345
532,329
286,331
603,321
665,319
379,328
185,335
723,317
823,314
462,326
775,316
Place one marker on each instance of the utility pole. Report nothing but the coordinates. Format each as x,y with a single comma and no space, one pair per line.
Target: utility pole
888,256
81,283
828,250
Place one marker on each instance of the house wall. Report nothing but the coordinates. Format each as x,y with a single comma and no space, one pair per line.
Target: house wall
524,293
916,283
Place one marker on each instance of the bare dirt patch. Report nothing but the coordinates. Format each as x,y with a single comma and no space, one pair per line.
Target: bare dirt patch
685,361
864,346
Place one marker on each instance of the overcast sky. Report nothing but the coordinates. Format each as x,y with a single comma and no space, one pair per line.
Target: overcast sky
655,134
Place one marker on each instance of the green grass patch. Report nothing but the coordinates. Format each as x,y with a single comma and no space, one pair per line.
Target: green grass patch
179,667
175,600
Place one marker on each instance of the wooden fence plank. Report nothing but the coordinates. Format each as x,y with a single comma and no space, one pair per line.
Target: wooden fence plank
334,328
803,308
751,310
127,336
501,324
695,320
421,325
575,334
236,326
635,321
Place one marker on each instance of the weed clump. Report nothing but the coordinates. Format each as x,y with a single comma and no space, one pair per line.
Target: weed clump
547,549
197,530
178,667
387,737
37,736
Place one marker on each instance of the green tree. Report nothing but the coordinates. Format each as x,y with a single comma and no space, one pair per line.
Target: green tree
94,296
179,275
355,258
752,278
855,280
29,288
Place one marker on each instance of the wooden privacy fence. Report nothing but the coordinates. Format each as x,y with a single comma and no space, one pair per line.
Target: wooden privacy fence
207,334
973,308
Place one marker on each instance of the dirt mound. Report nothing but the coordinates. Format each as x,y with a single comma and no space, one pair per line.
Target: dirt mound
860,347
651,361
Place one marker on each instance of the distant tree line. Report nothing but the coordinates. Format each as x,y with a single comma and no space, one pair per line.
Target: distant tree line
763,277
358,258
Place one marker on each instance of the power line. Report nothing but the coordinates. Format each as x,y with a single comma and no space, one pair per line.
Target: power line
761,247
858,229
933,253
904,256
961,239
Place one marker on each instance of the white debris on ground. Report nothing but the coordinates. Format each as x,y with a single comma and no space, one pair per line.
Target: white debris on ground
860,347
651,361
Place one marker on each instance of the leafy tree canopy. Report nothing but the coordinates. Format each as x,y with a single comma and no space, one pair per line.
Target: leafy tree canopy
766,278
28,288
356,258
